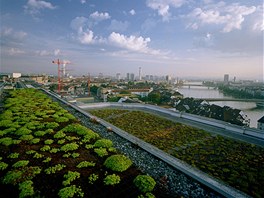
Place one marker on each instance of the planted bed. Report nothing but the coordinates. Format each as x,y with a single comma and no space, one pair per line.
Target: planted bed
46,152
236,163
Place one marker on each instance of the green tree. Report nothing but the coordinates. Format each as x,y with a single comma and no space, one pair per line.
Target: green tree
154,97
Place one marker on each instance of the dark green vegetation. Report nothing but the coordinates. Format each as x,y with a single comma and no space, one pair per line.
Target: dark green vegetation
238,164
46,152
239,93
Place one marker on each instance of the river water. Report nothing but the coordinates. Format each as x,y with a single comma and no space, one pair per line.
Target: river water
249,108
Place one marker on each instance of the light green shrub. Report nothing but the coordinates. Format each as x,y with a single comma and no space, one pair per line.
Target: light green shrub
49,131
52,125
39,133
61,119
85,164
26,189
49,141
66,155
59,135
61,141
75,155
3,165
26,137
35,141
12,177
6,141
92,178
30,152
70,176
112,149
101,152
54,150
71,191
38,155
13,155
71,138
118,163
45,148
6,131
6,123
69,116
104,143
112,180
48,159
89,146
144,183
23,131
70,147
54,169
80,130
20,163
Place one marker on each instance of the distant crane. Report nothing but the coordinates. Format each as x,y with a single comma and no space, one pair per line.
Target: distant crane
61,72
88,85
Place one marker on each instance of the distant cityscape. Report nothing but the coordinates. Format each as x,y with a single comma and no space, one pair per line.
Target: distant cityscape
150,89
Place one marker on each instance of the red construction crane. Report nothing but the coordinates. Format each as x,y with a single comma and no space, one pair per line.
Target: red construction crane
88,85
60,72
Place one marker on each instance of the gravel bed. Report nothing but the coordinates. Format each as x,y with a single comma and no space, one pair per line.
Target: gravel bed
173,182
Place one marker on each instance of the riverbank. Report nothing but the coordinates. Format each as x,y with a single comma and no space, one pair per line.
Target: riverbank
249,108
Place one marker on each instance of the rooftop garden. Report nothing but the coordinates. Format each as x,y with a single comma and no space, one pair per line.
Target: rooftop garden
239,164
46,152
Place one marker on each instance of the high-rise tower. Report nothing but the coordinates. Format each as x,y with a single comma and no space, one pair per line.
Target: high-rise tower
226,78
139,74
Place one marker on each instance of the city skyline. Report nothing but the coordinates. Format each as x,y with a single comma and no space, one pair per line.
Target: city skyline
204,38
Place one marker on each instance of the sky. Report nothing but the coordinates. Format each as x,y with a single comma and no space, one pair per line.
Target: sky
180,38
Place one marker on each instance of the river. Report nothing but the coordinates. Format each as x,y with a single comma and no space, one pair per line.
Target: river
249,108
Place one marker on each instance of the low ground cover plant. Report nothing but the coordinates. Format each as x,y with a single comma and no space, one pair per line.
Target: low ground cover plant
46,152
112,180
236,163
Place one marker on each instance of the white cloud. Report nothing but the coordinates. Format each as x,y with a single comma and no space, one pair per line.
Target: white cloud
15,51
230,17
43,53
12,34
78,22
100,16
258,22
86,37
57,52
33,6
132,12
206,40
133,43
163,6
118,25
83,1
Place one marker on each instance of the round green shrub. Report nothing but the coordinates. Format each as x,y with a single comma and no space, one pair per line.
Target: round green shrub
118,163
144,183
104,143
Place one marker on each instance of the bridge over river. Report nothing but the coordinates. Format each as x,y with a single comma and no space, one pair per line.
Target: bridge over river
233,99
